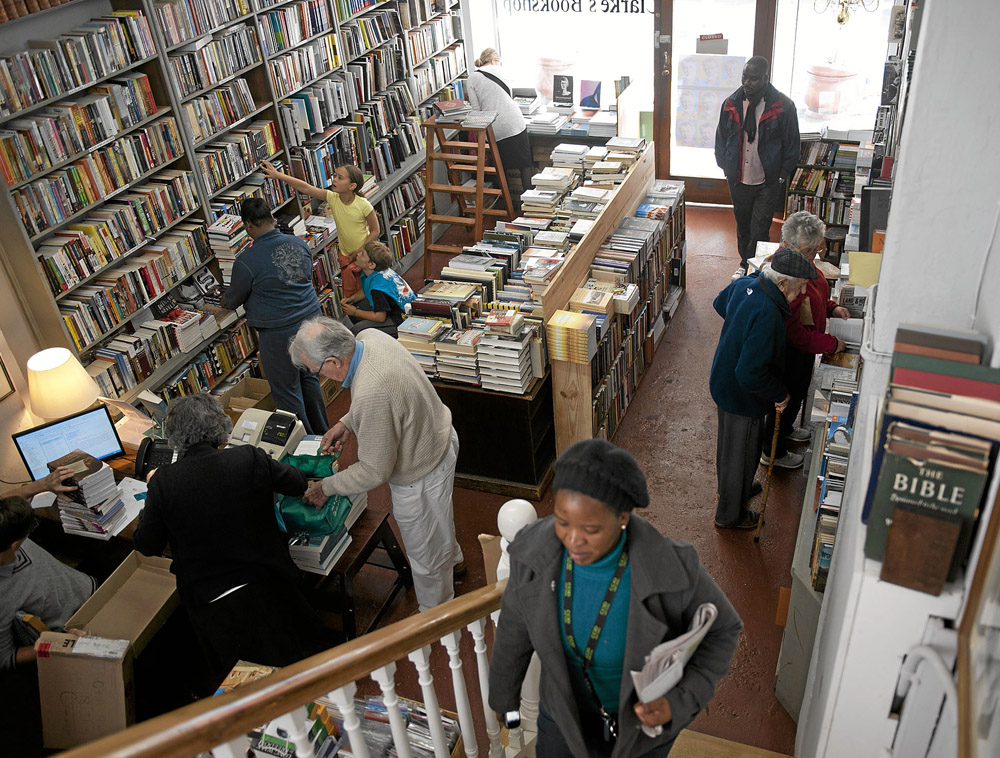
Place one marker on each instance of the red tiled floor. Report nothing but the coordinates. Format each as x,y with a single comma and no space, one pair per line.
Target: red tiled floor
670,429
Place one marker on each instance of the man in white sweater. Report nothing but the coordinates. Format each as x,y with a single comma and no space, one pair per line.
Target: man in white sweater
405,438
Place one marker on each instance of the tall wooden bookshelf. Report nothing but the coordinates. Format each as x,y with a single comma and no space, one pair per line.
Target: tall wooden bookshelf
224,75
823,180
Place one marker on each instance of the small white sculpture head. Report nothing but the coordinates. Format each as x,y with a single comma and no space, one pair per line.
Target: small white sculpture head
513,515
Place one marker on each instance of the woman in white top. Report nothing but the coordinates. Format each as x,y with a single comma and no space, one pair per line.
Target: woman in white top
488,91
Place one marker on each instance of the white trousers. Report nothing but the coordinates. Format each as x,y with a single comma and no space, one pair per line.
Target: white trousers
424,513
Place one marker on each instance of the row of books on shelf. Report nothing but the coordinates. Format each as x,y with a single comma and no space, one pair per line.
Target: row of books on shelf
823,182
289,25
816,152
369,31
239,153
207,61
116,230
293,70
47,202
834,211
936,450
432,37
52,135
113,297
92,51
183,20
215,111
439,71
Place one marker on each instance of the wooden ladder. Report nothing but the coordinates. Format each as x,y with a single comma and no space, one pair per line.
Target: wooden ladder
460,157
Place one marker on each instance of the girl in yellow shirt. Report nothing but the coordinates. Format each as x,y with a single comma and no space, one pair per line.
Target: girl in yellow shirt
357,224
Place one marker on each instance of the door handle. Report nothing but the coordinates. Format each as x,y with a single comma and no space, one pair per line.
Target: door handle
665,71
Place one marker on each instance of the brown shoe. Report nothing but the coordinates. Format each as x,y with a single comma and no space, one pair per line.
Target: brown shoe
459,569
748,520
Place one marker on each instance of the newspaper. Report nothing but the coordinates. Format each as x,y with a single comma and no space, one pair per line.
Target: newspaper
664,666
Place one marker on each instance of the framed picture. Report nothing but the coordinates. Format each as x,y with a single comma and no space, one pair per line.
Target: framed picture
979,652
6,388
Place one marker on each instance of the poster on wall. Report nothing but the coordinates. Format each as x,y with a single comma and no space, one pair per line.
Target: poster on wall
703,82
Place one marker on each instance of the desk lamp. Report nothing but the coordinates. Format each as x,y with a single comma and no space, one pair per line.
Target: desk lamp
58,385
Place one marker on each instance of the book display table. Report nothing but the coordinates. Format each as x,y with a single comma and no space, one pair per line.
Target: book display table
510,458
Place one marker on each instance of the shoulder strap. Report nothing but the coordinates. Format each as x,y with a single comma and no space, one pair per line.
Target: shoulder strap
498,80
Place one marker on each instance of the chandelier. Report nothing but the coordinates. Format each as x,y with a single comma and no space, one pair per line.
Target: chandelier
844,7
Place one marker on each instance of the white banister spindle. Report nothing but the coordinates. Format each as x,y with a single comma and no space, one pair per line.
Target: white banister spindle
385,677
343,698
477,629
529,696
511,518
293,725
422,660
450,641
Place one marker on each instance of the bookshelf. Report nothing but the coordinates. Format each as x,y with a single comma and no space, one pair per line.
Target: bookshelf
823,180
185,98
577,386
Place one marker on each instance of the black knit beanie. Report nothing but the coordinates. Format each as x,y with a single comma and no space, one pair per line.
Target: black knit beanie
600,470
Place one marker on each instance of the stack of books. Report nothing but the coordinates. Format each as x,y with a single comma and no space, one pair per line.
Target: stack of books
546,123
227,238
538,272
572,337
504,353
568,155
318,555
478,119
554,178
185,326
417,335
591,195
608,171
540,203
96,508
604,124
527,99
634,145
933,462
451,111
456,355
557,241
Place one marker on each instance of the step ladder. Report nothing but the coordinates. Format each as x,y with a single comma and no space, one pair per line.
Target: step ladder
476,202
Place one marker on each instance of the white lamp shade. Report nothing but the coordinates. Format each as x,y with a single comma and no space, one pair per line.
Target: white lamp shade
58,384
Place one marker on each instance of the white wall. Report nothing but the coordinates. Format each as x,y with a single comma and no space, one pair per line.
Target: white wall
944,206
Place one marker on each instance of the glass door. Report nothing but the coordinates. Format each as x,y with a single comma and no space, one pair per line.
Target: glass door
700,52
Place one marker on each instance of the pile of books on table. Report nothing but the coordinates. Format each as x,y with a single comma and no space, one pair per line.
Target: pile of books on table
451,111
572,337
417,335
504,353
546,123
96,508
457,359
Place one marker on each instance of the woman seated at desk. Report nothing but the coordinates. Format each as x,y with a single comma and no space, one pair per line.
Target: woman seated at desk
215,508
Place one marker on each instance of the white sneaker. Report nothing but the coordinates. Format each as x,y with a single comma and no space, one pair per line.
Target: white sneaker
741,271
788,460
799,434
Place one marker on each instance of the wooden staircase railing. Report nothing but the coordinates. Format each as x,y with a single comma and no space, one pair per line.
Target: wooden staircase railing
221,723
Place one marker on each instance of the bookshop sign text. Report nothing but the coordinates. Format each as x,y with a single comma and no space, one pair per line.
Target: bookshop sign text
623,7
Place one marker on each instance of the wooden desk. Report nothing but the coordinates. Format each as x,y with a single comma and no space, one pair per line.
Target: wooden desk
335,593
508,441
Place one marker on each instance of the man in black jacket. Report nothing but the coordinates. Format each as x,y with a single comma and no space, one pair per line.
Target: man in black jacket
757,145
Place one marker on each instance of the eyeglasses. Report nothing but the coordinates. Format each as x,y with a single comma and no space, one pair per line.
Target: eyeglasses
318,370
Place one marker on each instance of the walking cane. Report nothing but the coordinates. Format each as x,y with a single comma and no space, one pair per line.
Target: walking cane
767,478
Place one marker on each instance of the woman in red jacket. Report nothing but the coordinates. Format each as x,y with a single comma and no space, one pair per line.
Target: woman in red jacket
806,336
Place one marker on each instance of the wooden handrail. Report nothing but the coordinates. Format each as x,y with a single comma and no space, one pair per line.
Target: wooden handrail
213,721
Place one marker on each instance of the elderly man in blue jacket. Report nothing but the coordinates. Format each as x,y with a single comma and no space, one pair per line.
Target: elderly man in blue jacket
757,145
746,379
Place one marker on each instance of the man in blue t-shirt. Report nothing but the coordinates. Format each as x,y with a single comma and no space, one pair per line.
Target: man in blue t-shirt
273,280
383,295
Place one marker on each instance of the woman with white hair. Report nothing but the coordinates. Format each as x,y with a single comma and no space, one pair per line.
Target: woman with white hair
806,335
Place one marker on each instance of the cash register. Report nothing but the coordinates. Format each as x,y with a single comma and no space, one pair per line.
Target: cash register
274,432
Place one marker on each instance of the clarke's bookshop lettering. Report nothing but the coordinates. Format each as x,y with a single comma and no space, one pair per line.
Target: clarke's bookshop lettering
628,7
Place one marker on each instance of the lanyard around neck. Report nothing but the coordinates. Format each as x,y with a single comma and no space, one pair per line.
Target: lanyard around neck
602,613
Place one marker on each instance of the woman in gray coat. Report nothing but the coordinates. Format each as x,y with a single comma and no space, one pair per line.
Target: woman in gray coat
593,589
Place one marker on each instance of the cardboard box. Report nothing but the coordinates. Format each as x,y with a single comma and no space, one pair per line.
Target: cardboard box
247,393
85,683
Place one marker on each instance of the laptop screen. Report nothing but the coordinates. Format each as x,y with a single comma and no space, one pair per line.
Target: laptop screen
91,431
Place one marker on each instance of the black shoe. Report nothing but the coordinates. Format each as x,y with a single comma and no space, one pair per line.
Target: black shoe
748,520
459,569
755,489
